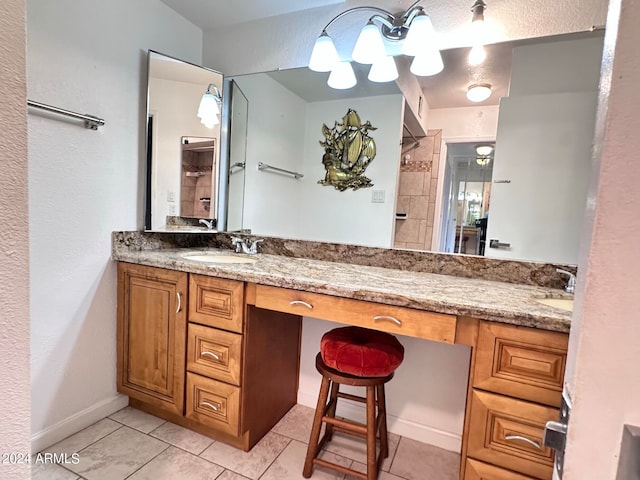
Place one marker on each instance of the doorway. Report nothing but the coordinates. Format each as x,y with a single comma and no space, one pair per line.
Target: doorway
466,195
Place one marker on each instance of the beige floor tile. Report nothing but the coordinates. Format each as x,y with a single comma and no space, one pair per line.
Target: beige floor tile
187,440
296,423
361,467
86,437
355,448
117,455
250,464
137,419
417,461
291,461
229,475
51,471
174,463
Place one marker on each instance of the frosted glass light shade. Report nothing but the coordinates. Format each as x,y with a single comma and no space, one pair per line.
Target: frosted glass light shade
324,54
369,46
342,76
477,55
210,121
383,70
208,105
428,62
421,35
479,92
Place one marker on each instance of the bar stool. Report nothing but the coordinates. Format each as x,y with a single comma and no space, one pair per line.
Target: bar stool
363,358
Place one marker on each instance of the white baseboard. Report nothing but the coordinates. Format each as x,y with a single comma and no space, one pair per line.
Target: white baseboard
73,424
400,426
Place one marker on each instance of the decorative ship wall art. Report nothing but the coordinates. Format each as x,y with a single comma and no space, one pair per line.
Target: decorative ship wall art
348,151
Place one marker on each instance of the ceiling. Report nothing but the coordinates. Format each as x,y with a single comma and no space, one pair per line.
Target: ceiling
208,14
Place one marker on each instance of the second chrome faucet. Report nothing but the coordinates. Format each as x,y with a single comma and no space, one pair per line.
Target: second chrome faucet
244,247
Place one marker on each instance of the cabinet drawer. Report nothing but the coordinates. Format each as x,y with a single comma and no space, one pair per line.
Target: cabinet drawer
508,433
521,362
216,302
388,318
213,403
214,353
475,470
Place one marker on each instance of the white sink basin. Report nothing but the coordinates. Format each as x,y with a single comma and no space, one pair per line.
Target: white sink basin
219,258
561,303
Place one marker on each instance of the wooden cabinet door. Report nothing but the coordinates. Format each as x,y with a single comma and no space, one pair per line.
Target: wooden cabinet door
152,326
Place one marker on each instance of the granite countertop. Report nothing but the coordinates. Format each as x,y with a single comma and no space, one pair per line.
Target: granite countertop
483,299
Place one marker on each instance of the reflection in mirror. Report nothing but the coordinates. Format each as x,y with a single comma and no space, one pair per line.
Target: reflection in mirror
183,153
237,155
541,119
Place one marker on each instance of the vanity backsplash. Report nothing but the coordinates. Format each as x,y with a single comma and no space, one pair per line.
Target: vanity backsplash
468,266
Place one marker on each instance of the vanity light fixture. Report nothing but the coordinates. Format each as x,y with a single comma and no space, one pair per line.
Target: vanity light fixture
383,37
479,92
477,53
209,108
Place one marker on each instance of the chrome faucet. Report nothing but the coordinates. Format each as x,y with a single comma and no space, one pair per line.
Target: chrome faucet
242,246
208,223
570,287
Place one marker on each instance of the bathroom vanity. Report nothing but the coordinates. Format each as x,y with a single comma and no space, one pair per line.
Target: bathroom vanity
215,346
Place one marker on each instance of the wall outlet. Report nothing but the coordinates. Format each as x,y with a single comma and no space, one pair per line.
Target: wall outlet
377,196
172,209
171,196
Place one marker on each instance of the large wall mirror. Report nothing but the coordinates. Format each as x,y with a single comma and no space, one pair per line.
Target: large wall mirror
431,190
183,154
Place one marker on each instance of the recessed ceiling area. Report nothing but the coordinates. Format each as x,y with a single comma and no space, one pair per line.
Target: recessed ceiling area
208,14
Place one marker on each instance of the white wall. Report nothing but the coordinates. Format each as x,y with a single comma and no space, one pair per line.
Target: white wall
604,348
425,400
274,132
88,56
14,251
174,105
543,146
350,217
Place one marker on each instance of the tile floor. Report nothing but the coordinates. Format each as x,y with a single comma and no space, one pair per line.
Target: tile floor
131,444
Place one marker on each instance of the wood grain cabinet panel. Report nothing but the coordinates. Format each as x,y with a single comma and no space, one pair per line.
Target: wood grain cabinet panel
151,335
475,470
214,353
521,362
397,320
508,433
216,302
212,403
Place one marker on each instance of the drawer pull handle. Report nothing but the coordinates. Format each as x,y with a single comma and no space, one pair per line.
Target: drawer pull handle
210,405
523,439
300,302
179,302
387,317
211,354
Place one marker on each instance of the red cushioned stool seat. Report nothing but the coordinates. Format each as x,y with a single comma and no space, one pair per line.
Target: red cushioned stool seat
361,352
363,358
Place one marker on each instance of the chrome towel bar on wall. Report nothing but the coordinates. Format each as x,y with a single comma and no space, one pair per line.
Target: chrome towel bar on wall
264,166
90,121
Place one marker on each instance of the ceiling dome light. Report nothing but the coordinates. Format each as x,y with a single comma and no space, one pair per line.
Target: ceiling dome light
369,46
324,55
484,149
383,70
479,92
421,34
342,76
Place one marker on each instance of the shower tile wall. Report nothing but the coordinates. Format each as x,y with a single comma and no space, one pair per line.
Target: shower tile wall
196,184
417,192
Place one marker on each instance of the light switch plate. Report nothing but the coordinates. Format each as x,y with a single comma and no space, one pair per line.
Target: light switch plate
377,196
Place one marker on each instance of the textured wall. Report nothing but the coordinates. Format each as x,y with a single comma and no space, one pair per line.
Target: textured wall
87,56
14,253
604,350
